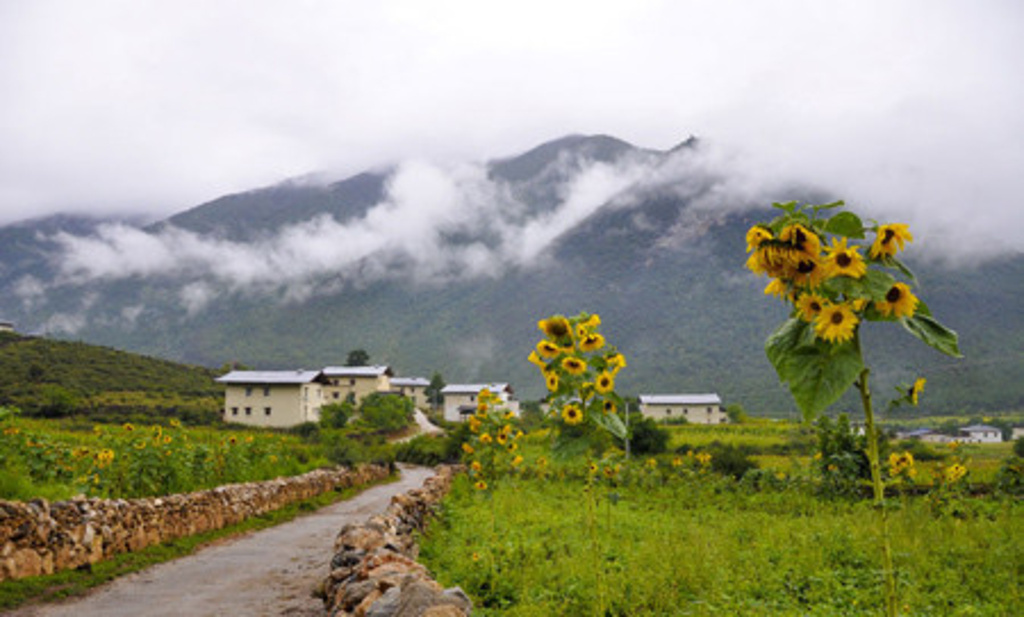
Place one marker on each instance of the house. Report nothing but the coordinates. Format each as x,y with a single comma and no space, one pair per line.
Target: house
460,399
694,408
354,383
6,326
980,433
414,388
273,398
1018,432
921,434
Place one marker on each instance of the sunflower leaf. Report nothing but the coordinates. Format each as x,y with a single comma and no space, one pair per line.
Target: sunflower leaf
934,334
845,224
610,422
892,262
817,373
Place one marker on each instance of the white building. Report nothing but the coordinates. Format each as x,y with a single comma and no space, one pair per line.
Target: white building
414,388
980,433
354,383
460,399
694,408
273,398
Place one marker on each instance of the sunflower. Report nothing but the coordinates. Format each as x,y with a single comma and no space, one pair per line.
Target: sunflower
468,449
476,466
609,406
517,461
809,272
548,349
810,306
899,302
890,240
802,239
502,438
551,378
486,438
512,446
915,390
480,485
591,342
615,363
536,361
845,261
756,236
604,383
836,323
474,424
572,414
555,327
574,366
591,322
777,288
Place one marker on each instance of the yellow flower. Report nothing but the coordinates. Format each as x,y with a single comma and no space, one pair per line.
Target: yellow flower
810,306
592,468
475,556
809,272
555,327
548,349
609,472
535,359
889,240
605,383
802,239
572,414
899,302
954,473
915,390
609,406
468,449
756,236
704,458
486,438
476,466
175,423
480,485
551,378
512,446
542,462
836,323
11,430
574,366
474,424
592,342
652,463
128,427
845,261
517,461
615,363
777,288
677,461
502,438
591,322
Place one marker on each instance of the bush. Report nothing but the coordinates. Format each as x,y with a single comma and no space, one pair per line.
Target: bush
843,462
730,460
647,437
386,412
336,415
1018,447
425,450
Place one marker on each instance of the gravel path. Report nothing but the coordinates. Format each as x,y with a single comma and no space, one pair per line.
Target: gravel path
269,572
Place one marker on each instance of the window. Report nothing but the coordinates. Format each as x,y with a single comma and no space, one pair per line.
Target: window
248,411
709,410
668,412
234,411
266,411
248,391
352,381
266,390
337,395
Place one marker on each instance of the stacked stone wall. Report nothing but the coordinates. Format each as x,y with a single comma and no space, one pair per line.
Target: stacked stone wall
39,537
374,572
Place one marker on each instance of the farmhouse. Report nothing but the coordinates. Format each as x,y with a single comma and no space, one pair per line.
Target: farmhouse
414,388
354,383
694,408
273,398
980,433
460,399
6,326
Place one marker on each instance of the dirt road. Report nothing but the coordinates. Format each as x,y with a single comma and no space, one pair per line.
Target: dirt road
270,572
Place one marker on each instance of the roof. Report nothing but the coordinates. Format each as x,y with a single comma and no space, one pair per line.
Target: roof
270,377
977,428
358,371
680,399
474,388
410,381
921,432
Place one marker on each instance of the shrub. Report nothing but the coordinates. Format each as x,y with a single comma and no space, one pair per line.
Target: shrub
386,412
730,460
336,415
424,450
842,461
647,437
1018,447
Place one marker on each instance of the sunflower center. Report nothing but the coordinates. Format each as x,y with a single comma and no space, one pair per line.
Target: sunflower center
843,260
837,318
893,295
888,236
805,267
815,307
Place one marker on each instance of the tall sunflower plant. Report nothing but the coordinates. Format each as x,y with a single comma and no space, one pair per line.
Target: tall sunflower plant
579,368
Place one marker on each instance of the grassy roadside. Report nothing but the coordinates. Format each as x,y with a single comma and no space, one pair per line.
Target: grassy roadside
69,583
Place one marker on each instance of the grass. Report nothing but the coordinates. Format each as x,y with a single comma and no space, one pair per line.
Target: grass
710,546
70,583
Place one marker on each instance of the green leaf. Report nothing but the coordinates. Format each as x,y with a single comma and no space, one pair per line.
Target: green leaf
934,334
816,372
845,224
874,285
892,262
789,206
610,422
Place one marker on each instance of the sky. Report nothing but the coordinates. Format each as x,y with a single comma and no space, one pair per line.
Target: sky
146,108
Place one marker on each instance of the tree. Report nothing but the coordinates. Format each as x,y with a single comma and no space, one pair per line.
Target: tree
336,415
386,412
358,357
433,391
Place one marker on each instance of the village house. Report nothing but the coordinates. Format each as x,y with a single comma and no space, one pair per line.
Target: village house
1018,432
414,388
6,326
460,399
694,408
273,398
354,383
980,433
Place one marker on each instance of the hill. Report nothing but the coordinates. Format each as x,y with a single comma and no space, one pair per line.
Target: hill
53,378
449,269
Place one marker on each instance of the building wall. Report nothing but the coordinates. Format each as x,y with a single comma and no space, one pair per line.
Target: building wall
288,404
417,394
694,414
339,388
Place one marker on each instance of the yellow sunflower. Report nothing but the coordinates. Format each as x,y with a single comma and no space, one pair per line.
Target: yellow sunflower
551,378
809,273
836,323
480,485
604,383
486,438
476,466
468,449
574,366
572,414
802,239
548,349
609,406
899,302
591,342
890,239
777,288
535,360
615,363
756,236
845,261
555,327
810,306
915,390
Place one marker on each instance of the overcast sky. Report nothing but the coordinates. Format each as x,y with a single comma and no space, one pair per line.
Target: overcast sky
137,106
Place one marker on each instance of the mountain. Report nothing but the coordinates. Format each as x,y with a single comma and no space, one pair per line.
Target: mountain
449,269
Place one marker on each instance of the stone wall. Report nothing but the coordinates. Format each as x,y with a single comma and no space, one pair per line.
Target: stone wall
41,538
374,572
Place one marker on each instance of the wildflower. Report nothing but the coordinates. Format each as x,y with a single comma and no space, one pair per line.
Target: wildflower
591,322
610,472
551,379
273,458
232,440
954,473
899,302
128,427
535,359
845,261
512,446
592,468
475,556
548,349
652,463
677,461
615,363
519,434
777,288
486,438
781,475
11,430
889,240
140,444
248,439
168,439
468,449
608,406
508,416
809,305
555,327
480,485
604,383
833,468
572,414
476,466
916,389
836,323
756,236
175,423
574,366
704,458
592,342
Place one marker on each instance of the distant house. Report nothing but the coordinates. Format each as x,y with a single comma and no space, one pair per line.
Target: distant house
273,398
920,434
414,388
980,433
1018,432
6,326
695,408
460,399
355,383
